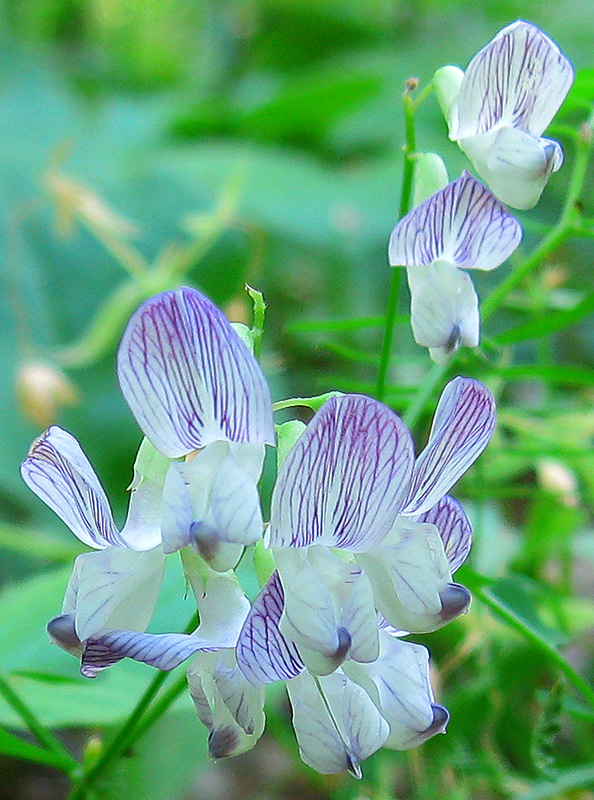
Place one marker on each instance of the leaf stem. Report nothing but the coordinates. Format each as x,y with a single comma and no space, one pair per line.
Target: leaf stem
41,733
562,230
397,275
574,678
132,729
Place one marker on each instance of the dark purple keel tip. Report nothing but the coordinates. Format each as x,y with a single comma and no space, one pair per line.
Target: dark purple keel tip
441,717
63,632
222,742
353,767
455,600
344,644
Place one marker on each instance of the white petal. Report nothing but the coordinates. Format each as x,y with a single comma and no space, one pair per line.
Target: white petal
515,164
399,683
235,513
58,471
311,616
177,514
222,697
114,589
337,731
409,574
520,79
343,482
188,378
142,530
444,308
462,426
463,224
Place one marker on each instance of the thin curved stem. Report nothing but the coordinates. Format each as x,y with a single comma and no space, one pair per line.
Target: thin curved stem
396,279
41,733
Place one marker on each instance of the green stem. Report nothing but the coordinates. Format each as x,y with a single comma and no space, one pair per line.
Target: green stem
259,315
562,230
414,411
157,710
574,678
41,733
131,730
397,275
119,743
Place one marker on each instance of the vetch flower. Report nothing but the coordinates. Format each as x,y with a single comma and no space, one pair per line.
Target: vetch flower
462,226
352,483
197,392
116,587
499,108
342,718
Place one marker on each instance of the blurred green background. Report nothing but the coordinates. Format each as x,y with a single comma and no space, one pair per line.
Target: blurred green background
259,141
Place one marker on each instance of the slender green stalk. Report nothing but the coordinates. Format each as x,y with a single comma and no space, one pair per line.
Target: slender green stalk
414,411
157,710
397,273
258,320
41,733
130,731
574,678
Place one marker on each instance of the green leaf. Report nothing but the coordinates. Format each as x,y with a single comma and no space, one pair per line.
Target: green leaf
576,778
551,323
581,94
11,745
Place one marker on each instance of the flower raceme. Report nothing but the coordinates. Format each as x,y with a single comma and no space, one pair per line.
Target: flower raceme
197,391
363,533
460,227
498,109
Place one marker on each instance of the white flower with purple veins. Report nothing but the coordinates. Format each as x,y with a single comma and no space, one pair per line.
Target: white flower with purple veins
499,108
460,227
198,393
352,483
115,588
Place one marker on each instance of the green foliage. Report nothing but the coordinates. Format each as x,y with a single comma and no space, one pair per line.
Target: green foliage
147,144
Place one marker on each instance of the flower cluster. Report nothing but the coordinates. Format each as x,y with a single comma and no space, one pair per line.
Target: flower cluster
496,111
363,534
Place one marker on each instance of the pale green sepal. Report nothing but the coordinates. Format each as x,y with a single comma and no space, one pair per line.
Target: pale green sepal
263,562
245,334
447,82
287,434
142,530
431,176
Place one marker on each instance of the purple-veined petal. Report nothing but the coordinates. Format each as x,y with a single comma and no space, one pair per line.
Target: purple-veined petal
410,577
462,426
399,684
58,471
344,481
188,378
454,528
337,731
235,505
243,700
165,651
263,654
519,79
463,224
114,588
444,309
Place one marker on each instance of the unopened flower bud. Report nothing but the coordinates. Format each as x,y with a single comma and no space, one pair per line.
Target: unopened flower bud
431,176
558,479
42,389
447,82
